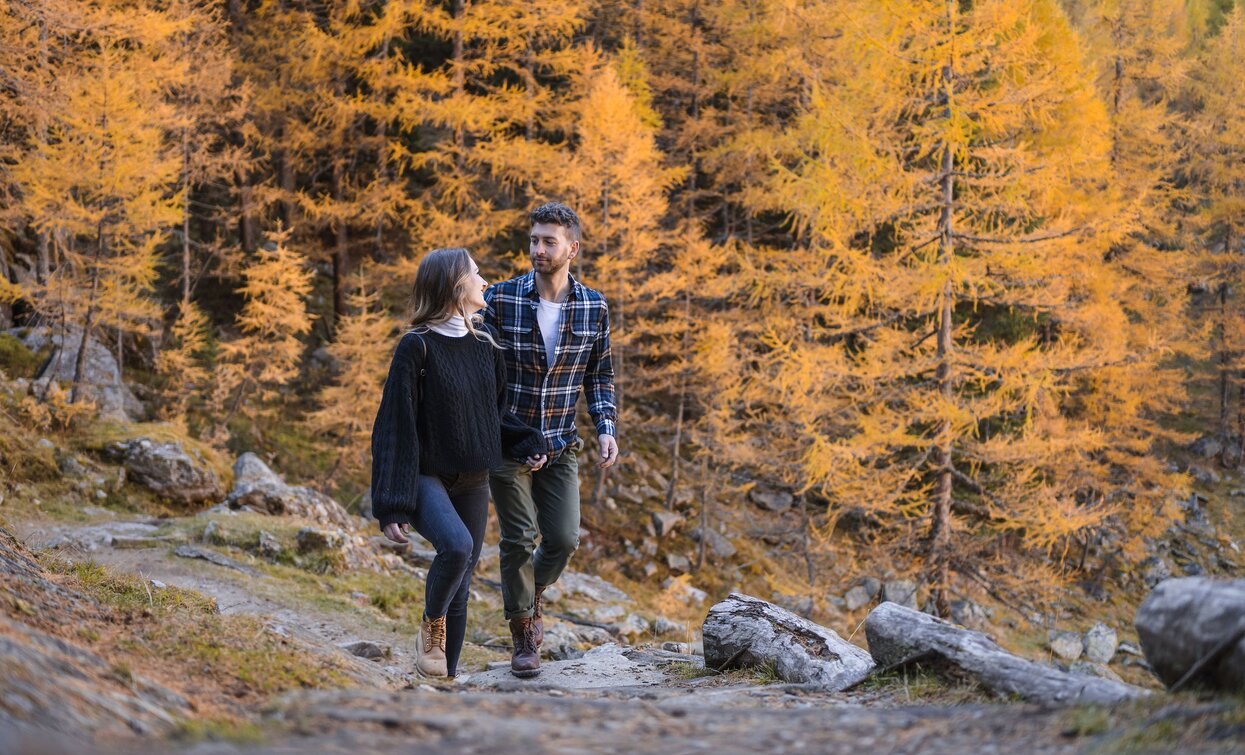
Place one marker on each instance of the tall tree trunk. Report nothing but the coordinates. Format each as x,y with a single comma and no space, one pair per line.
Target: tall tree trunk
940,530
704,514
460,85
248,231
185,218
341,248
80,361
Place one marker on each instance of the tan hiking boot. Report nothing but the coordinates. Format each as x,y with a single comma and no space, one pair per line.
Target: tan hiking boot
525,659
430,647
538,619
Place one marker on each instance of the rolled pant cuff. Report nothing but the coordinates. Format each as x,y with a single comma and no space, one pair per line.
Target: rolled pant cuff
520,614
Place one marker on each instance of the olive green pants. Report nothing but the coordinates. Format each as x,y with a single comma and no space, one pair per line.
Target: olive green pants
531,504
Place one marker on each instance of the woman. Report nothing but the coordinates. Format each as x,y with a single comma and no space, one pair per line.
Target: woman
441,426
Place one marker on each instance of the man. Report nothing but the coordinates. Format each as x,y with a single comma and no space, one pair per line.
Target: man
556,334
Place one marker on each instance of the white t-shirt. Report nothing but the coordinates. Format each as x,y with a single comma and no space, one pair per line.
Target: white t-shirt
549,317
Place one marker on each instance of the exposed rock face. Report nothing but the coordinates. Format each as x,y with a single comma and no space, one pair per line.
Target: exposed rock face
101,376
1187,620
168,470
897,634
55,684
743,631
258,487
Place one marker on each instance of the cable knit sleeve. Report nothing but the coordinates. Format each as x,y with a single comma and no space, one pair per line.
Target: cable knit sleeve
519,440
395,437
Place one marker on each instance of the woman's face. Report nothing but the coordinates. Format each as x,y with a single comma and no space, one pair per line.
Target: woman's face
473,298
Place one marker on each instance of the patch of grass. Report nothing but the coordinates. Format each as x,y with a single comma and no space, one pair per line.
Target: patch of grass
689,670
180,634
218,730
924,684
18,361
1086,721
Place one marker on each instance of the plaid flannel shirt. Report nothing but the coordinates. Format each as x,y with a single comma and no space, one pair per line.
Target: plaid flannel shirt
544,395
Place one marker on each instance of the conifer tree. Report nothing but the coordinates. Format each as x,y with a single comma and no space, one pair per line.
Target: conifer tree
1218,147
255,366
953,363
347,405
101,188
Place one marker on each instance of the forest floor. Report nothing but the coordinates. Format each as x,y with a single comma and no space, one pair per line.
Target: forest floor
613,699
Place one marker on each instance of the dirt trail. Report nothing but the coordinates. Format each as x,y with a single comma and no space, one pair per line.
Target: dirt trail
614,699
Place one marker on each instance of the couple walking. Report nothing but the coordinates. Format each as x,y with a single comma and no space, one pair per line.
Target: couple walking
481,395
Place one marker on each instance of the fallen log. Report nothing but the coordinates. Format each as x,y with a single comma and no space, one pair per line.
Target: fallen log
896,635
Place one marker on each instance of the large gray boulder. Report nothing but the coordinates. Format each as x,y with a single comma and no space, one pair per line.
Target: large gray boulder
744,631
101,378
897,635
1195,620
168,470
259,488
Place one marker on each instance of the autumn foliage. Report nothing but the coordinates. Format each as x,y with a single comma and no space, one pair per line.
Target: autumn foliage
956,274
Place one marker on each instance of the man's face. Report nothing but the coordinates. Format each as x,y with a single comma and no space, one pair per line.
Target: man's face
551,248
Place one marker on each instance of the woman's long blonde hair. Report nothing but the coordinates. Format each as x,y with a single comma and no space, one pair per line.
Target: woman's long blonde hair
440,289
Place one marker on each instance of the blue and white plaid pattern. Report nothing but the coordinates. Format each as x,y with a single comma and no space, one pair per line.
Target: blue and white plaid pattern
544,395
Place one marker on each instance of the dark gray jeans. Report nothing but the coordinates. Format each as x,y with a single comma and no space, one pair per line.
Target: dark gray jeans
452,514
531,504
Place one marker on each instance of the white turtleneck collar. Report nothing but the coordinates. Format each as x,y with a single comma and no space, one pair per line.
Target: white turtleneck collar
455,327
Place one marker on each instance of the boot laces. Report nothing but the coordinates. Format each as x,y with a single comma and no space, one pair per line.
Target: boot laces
436,633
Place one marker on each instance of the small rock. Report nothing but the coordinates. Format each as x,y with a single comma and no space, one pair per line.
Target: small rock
1066,645
607,614
685,648
158,584
801,605
678,563
872,585
650,568
47,444
857,597
771,499
633,626
717,543
211,533
665,522
168,469
1100,643
900,591
366,649
100,495
1155,570
551,595
662,625
268,544
968,614
1131,648
312,539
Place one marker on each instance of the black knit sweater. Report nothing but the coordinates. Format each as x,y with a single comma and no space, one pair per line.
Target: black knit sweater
450,420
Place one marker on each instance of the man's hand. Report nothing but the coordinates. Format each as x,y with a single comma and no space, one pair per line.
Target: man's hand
536,462
397,532
609,450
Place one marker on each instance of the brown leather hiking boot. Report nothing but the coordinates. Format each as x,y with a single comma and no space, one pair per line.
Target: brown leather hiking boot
525,659
538,619
430,647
